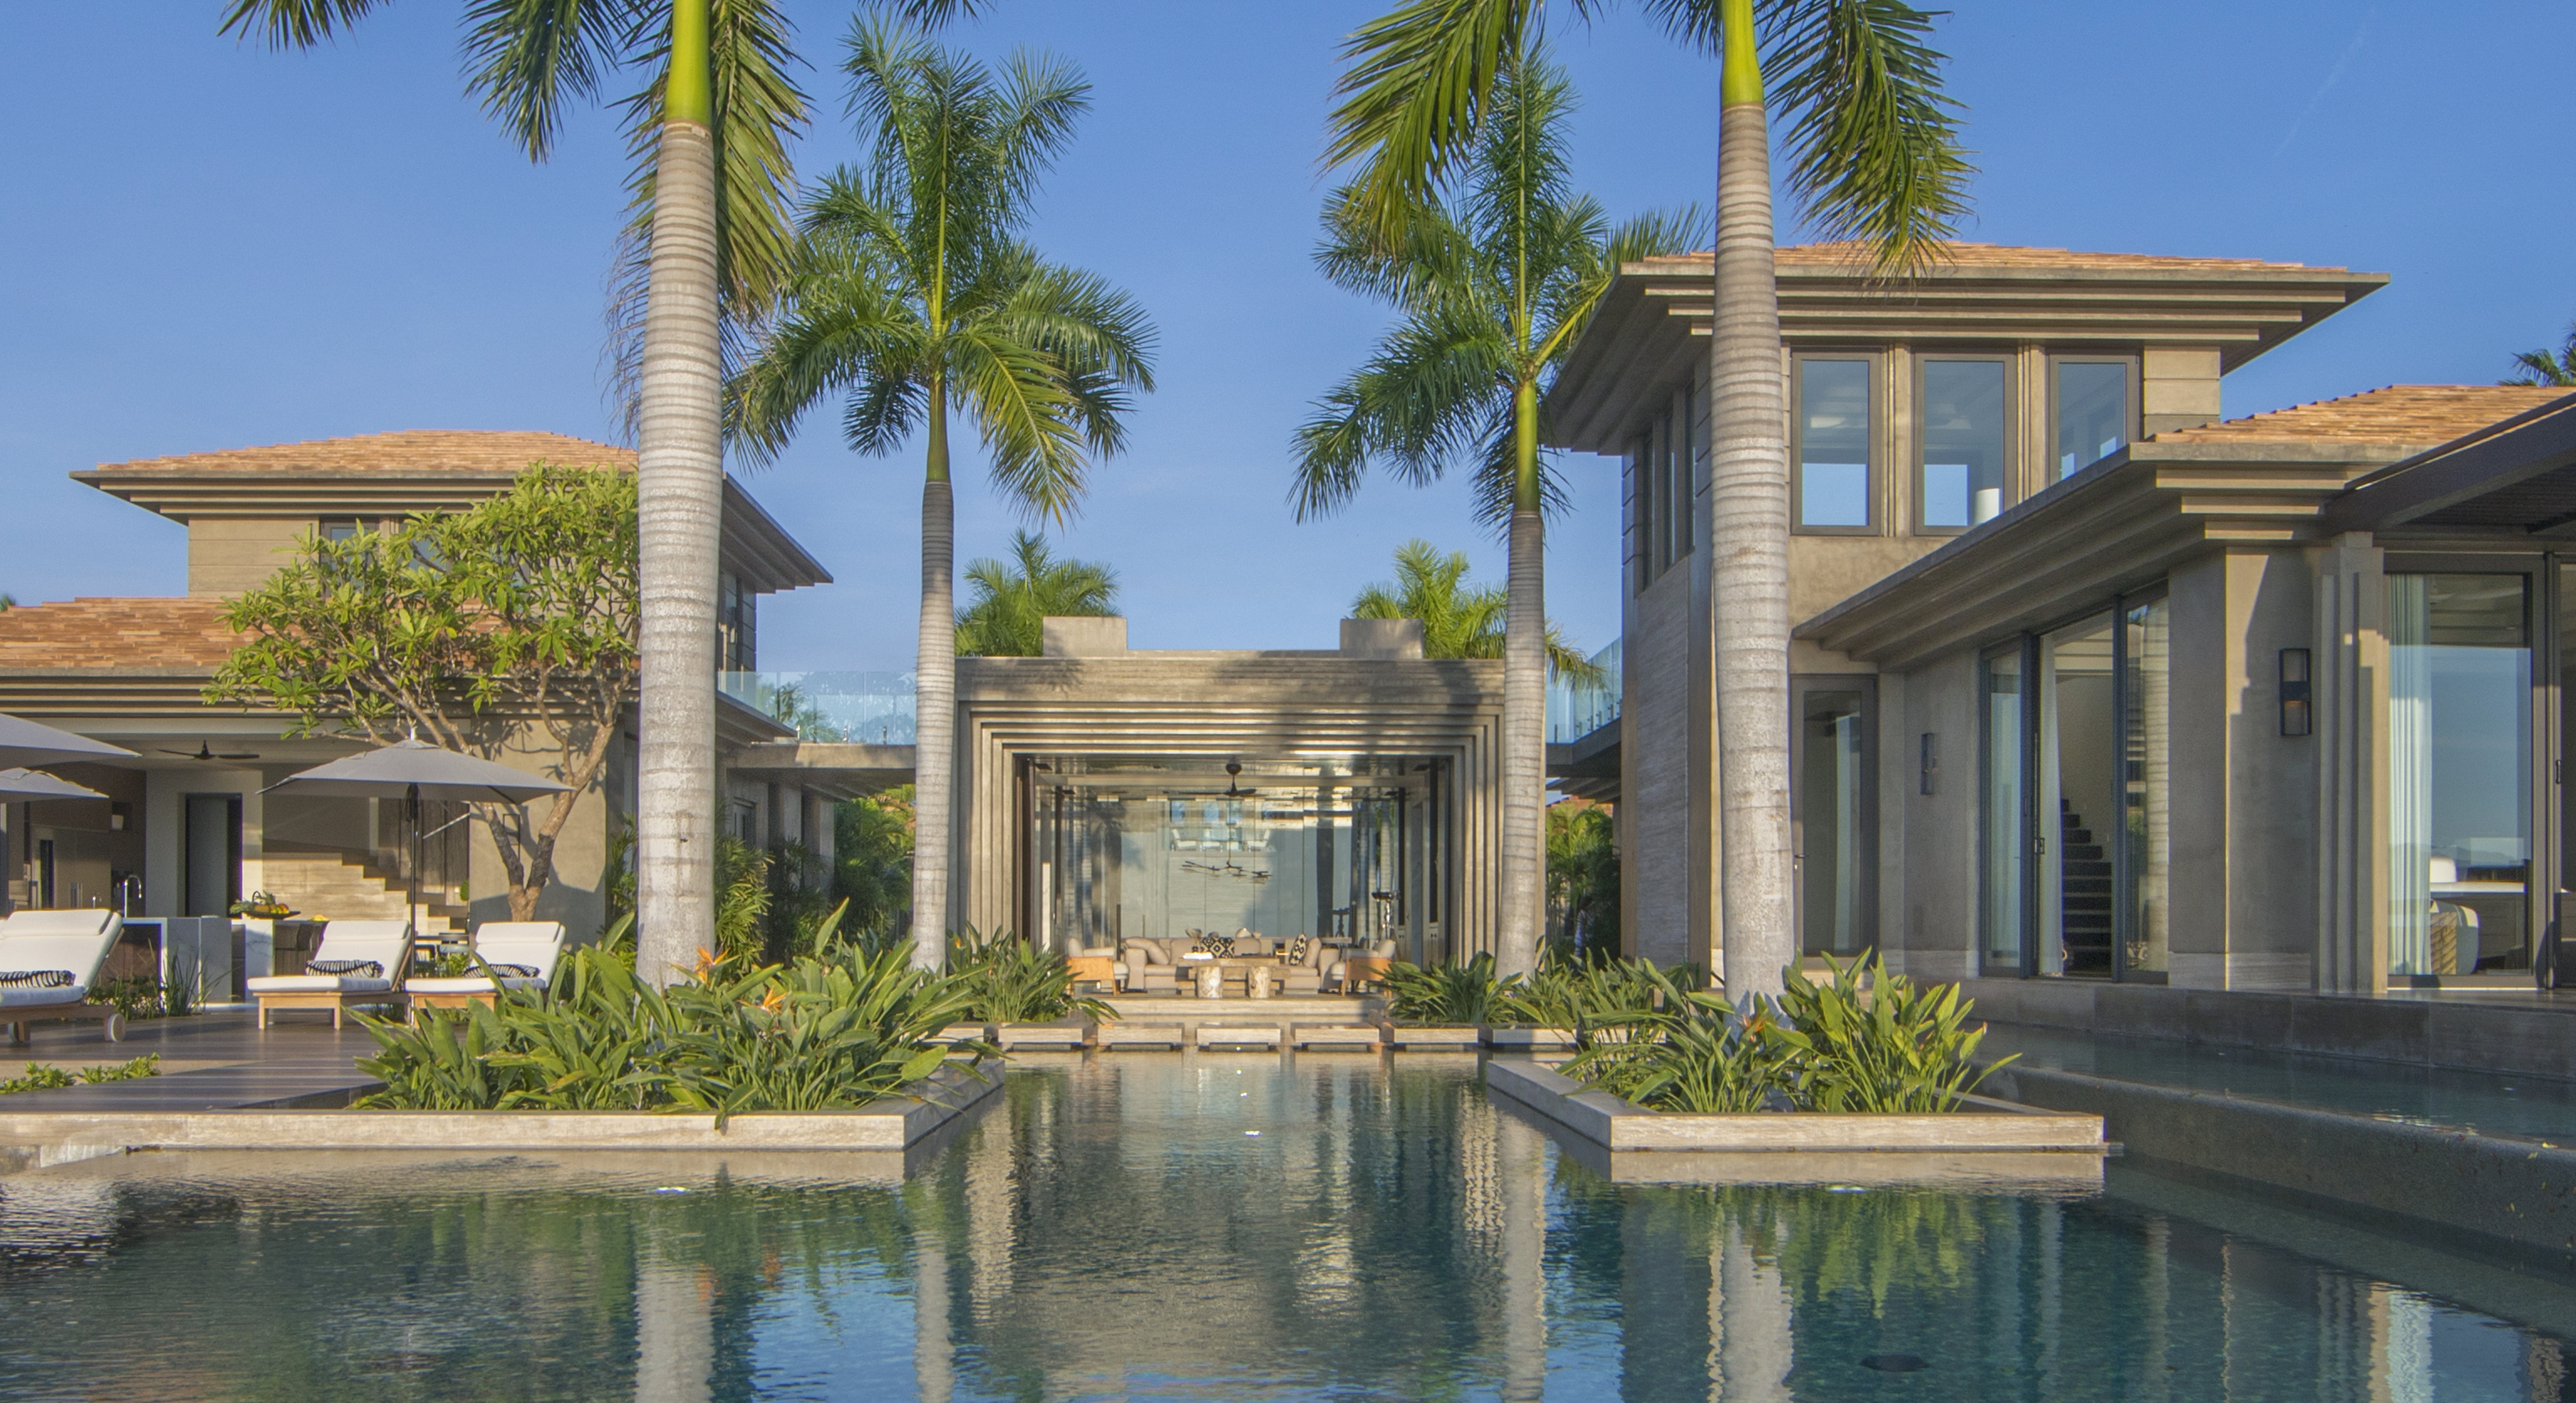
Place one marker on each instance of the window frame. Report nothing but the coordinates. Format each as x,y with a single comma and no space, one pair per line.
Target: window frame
1798,360
2012,444
2049,475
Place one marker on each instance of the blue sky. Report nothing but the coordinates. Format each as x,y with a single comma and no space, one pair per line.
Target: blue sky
215,246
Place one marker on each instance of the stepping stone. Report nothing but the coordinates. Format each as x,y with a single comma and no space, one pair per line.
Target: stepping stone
1156,1035
1436,1039
1366,1035
1264,1036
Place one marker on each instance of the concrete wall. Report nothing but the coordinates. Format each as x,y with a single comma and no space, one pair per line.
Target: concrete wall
228,555
2178,387
1656,764
1928,848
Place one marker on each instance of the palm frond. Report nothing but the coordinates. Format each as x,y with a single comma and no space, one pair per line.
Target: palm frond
529,59
293,24
1414,90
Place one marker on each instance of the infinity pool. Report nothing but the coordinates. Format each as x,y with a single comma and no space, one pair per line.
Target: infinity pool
1169,1226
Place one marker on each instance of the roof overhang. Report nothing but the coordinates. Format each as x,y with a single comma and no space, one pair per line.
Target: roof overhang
2515,479
834,770
1653,324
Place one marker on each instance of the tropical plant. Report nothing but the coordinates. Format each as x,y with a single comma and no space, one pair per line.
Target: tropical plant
461,627
872,860
819,1032
709,129
912,294
2543,367
139,996
742,902
1898,1046
1449,993
1012,599
1493,274
1583,879
1874,156
1008,980
1459,620
1589,997
43,1078
1703,1061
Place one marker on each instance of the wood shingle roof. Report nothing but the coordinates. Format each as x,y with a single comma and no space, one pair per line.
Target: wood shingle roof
162,634
481,451
2401,415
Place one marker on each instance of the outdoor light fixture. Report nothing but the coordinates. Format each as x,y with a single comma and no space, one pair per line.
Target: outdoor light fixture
1931,760
2296,718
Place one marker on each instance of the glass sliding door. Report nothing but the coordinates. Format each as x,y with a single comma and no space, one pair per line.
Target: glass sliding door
1831,814
2146,810
2006,838
2459,776
2080,804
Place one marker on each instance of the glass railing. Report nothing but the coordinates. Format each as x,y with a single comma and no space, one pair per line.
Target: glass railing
1577,709
862,708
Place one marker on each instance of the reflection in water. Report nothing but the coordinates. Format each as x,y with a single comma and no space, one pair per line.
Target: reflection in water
1148,1226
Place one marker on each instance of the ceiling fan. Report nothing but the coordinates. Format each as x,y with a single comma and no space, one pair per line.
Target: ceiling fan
205,751
1233,789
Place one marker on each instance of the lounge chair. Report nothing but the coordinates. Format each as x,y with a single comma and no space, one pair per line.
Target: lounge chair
56,956
338,976
509,947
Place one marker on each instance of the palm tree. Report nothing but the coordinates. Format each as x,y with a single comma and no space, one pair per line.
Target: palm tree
1874,155
1014,598
911,295
1459,620
2543,368
709,129
1493,284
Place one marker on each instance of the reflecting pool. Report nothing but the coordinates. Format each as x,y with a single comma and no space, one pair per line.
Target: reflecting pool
1205,1226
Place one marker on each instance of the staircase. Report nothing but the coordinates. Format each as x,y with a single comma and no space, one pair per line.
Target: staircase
2084,895
325,884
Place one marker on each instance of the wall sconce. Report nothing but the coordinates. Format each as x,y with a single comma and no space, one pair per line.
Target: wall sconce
2297,719
1931,761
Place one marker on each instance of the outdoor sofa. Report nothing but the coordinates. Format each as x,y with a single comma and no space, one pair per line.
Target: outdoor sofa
520,954
49,960
358,962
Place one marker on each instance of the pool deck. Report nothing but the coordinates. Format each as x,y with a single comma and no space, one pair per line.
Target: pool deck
215,1061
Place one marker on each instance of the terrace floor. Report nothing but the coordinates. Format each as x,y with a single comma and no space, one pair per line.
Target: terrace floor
215,1061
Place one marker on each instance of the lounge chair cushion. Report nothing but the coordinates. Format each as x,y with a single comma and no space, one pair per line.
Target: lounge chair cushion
318,984
364,969
469,984
346,945
43,998
46,942
38,979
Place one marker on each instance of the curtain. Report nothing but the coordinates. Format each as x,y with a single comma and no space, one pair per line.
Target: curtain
2410,777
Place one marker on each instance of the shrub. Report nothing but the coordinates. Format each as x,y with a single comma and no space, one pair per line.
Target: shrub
1896,1047
1007,980
1587,997
1449,993
41,1078
838,1030
140,996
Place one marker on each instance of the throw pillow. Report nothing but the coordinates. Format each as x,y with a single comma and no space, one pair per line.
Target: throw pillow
1297,949
364,969
1218,945
36,979
515,971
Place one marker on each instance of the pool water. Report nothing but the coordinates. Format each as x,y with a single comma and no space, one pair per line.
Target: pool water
1204,1226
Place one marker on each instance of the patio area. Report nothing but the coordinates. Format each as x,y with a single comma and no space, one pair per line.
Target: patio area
214,1061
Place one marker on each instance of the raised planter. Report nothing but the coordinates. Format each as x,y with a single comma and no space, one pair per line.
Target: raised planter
1618,1126
891,1123
1528,1039
1156,1035
1068,1033
1263,1036
1360,1035
956,1033
1439,1039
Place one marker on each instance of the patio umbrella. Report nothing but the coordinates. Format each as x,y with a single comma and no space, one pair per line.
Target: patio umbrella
17,785
413,770
27,743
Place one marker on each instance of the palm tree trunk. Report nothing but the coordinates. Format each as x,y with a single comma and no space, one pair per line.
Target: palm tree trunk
1749,538
1524,905
680,481
934,700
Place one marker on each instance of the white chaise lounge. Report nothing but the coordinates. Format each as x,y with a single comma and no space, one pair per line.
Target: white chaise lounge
52,958
522,955
338,977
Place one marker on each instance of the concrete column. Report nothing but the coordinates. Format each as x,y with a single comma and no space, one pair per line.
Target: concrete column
1521,1166
2350,687
675,1335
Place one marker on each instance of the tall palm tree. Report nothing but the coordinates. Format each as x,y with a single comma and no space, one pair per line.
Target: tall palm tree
1874,155
911,294
709,129
1493,283
2542,367
1459,620
1014,598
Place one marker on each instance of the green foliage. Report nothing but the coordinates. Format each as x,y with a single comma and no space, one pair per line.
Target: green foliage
910,291
1590,997
1012,598
43,1078
2543,367
840,1030
1007,980
1900,1047
617,885
1583,878
742,901
523,606
140,996
1449,993
872,861
1459,620
1896,1047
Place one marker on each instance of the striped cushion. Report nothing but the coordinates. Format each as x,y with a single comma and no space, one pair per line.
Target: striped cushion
37,979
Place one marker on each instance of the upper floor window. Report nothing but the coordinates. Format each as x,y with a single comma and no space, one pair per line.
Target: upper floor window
2089,412
1667,468
346,528
1963,441
737,626
1831,454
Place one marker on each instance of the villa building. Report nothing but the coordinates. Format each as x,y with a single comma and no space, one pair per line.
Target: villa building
187,828
2087,681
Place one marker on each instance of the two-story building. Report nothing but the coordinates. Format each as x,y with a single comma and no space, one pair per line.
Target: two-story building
2086,681
187,828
